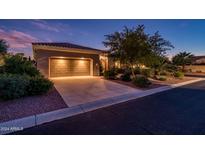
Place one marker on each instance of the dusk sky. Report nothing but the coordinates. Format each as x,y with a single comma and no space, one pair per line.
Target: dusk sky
185,35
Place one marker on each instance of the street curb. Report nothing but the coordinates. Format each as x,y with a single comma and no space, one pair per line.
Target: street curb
35,120
187,82
17,124
57,114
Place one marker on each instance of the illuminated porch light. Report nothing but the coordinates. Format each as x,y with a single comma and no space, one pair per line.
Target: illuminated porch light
117,64
143,66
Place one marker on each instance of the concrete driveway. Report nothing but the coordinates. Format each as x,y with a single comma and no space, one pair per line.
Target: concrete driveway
81,90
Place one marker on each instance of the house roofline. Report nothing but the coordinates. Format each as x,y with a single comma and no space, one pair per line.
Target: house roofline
67,46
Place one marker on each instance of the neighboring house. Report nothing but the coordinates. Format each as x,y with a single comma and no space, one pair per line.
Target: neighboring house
198,64
199,60
67,59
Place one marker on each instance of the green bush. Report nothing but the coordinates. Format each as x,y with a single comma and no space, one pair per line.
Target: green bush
146,72
119,70
1,69
111,74
39,85
126,76
137,70
19,77
106,74
18,64
13,86
163,73
141,81
179,74
171,68
161,78
198,71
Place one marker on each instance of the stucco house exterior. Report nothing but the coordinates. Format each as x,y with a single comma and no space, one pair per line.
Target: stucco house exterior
67,59
198,65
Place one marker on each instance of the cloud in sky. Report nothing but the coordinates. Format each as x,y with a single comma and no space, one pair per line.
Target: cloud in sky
20,39
42,24
186,35
17,39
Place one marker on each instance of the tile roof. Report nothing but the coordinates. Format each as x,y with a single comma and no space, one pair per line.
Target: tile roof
66,45
198,57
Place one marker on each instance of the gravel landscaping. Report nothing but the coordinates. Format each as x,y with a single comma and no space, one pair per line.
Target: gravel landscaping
156,83
171,80
130,84
22,107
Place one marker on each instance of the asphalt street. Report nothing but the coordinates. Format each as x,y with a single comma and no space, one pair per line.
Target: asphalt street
177,111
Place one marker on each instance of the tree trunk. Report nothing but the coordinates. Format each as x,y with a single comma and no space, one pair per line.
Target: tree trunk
183,68
132,71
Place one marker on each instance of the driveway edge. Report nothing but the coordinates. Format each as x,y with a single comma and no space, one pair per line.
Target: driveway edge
35,120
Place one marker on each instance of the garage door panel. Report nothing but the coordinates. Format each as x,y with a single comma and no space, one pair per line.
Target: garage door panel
69,67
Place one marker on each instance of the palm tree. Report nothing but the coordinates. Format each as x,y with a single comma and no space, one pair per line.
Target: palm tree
182,59
3,46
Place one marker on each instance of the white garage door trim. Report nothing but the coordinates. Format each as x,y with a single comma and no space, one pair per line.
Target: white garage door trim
58,57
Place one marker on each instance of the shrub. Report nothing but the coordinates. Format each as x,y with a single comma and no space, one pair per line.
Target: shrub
126,76
101,69
119,70
171,68
163,73
141,81
146,72
111,74
106,74
137,70
18,64
189,70
179,74
13,86
1,69
19,77
39,85
161,78
198,71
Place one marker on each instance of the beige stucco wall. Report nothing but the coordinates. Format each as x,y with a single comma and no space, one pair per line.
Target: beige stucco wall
42,59
196,68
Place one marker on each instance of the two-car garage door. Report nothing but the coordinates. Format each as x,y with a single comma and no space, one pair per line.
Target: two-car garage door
69,67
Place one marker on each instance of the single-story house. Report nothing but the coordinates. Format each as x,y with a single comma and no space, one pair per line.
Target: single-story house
67,59
199,60
198,65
